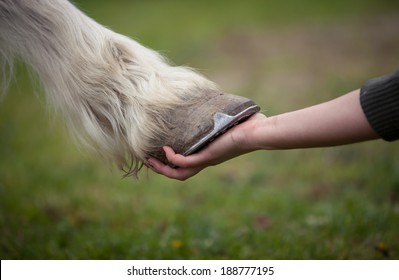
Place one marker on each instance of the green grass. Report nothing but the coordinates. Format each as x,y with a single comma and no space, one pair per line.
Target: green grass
57,201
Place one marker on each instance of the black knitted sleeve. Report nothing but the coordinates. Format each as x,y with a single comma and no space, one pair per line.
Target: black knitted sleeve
379,98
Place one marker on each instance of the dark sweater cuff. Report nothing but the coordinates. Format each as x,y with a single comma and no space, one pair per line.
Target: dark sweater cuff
379,98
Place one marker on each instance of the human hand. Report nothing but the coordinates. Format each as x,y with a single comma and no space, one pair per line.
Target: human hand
235,142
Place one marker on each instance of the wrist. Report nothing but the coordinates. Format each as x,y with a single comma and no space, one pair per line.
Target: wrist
248,136
265,134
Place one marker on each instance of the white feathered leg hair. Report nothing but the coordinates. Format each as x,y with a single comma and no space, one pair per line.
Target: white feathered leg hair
115,94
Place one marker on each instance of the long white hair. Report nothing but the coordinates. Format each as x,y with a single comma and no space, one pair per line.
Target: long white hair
115,94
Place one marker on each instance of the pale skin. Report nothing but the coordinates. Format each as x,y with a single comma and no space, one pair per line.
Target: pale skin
336,122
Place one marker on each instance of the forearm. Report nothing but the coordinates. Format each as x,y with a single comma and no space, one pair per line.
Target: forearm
336,122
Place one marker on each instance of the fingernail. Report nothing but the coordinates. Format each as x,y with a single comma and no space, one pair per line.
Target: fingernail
163,150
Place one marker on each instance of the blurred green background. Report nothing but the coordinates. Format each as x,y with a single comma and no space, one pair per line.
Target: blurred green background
58,201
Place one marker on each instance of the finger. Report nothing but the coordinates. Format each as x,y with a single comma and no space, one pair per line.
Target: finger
179,160
173,173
